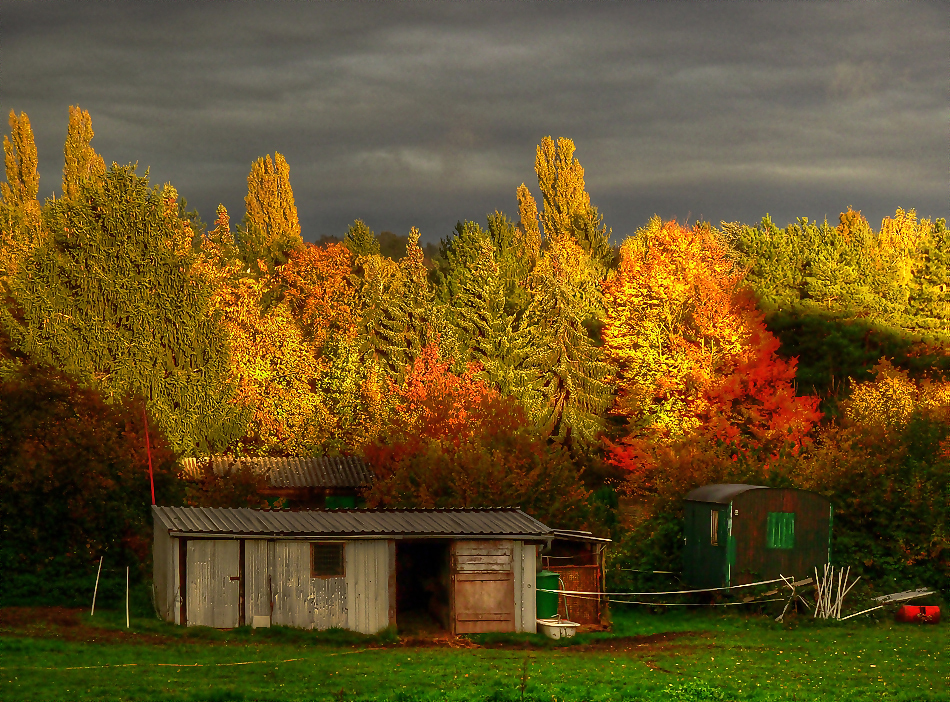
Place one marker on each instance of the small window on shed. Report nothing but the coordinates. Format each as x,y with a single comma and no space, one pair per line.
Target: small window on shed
780,530
714,527
326,560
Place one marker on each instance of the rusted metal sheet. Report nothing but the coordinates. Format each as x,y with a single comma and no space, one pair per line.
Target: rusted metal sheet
367,585
483,592
584,578
414,523
213,585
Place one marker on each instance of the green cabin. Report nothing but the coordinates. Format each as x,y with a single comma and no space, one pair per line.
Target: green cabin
738,534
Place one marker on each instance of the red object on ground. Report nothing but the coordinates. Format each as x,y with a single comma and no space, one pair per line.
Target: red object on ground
916,614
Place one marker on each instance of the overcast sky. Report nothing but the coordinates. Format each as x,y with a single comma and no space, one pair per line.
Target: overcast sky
422,114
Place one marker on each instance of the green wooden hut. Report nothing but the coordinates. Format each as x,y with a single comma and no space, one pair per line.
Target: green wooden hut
738,534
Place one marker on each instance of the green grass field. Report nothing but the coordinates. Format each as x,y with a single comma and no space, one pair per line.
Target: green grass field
683,656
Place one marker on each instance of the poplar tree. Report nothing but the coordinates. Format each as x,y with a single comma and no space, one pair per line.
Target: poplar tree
270,229
115,298
81,161
20,218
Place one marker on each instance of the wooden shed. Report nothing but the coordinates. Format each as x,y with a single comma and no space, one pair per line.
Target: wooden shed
738,534
465,570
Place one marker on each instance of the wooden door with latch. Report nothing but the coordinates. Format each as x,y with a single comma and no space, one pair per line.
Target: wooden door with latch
483,587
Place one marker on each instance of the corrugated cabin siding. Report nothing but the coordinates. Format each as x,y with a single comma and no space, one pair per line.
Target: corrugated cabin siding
754,561
257,595
367,585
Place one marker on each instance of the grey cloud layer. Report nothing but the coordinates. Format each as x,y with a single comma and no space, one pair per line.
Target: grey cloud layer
422,114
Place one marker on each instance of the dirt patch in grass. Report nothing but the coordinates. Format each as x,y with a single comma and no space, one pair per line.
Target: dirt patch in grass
66,624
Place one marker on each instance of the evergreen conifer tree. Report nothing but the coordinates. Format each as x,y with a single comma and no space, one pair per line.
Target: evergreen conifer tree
20,219
114,297
398,318
360,240
570,393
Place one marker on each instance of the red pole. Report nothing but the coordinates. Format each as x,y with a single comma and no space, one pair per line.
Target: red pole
148,448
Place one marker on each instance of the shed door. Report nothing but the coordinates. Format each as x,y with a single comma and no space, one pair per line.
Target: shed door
214,583
483,586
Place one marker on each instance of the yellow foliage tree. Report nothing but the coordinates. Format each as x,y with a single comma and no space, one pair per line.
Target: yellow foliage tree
890,400
271,229
81,160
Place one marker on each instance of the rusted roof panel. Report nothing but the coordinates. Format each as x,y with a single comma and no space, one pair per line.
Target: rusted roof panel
338,522
720,493
319,472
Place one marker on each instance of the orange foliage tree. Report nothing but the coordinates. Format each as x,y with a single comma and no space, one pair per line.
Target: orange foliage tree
695,361
455,442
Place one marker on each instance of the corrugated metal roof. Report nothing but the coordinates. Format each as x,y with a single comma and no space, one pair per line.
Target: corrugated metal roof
720,493
353,522
322,471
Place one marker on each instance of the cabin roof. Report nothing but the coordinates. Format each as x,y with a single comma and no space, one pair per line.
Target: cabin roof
721,493
500,522
291,472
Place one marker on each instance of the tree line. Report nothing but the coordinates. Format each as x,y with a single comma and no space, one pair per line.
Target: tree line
525,361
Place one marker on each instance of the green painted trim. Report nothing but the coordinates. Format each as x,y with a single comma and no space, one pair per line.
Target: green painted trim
831,522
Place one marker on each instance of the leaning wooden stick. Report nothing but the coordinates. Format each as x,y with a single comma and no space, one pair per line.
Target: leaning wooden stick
96,589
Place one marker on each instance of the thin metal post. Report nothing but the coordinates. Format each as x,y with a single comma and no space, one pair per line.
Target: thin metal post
126,597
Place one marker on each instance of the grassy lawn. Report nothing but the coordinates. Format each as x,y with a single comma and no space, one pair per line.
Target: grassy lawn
682,656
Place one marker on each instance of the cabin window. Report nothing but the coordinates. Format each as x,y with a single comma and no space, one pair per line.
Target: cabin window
326,560
714,527
780,530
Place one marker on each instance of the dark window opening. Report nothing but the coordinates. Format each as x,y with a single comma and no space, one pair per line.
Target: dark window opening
326,561
422,586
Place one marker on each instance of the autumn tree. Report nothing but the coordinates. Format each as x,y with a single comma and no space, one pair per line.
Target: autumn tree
74,482
270,230
114,296
692,351
82,163
454,442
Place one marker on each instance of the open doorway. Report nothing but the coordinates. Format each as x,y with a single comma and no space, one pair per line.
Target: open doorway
422,586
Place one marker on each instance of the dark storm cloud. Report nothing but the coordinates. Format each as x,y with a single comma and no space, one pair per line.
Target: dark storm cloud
423,114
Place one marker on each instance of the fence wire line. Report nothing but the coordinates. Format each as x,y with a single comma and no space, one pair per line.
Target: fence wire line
670,604
672,592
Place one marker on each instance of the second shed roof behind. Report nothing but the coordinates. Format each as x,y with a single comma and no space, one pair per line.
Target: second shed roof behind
292,472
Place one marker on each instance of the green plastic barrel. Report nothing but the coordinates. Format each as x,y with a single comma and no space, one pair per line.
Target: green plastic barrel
547,601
